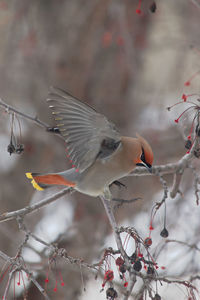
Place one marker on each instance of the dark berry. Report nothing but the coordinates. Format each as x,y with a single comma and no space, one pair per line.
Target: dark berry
153,7
137,266
19,148
188,144
164,233
122,269
11,148
111,294
133,257
157,297
150,271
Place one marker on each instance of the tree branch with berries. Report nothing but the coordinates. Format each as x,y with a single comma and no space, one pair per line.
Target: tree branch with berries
142,263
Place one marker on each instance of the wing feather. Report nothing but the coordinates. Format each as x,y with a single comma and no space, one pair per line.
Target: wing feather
86,132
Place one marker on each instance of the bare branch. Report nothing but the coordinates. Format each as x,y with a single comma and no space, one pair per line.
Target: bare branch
131,286
176,184
109,212
193,246
31,208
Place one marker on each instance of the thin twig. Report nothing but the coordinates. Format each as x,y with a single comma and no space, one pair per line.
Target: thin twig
193,246
9,283
35,119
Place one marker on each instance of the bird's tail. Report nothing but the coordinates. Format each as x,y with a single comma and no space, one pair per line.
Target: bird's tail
40,181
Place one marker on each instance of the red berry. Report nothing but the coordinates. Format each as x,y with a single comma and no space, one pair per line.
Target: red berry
187,83
109,275
184,97
138,11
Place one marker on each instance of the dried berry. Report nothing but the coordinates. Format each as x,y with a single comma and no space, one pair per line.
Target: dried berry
188,144
111,294
19,148
150,271
157,297
153,7
119,261
11,148
148,242
133,257
164,233
137,266
122,268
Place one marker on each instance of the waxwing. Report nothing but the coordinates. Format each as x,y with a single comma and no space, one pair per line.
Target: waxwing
99,155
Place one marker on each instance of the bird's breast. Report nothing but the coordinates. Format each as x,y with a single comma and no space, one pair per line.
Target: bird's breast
102,173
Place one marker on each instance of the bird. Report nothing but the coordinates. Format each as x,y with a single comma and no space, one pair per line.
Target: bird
100,156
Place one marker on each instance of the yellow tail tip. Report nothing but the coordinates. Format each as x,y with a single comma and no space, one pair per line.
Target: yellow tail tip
36,186
34,183
29,175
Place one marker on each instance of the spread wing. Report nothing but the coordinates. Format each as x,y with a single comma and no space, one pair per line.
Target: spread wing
88,134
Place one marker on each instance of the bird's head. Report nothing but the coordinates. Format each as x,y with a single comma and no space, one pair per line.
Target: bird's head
145,157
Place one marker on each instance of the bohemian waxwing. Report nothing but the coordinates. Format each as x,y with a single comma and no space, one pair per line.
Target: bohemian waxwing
100,156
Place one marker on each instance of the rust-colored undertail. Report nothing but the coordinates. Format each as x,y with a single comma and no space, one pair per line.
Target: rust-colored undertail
40,182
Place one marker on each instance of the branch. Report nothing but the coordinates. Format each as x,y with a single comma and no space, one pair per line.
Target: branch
35,119
131,286
176,184
192,246
109,212
31,208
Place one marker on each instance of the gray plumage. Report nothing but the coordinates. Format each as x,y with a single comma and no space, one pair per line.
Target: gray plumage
88,134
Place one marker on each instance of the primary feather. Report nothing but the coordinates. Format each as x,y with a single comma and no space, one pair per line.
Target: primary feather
88,134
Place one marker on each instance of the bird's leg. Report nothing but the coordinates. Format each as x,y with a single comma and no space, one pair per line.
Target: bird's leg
107,205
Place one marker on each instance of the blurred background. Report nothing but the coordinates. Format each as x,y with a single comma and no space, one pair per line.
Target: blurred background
126,65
